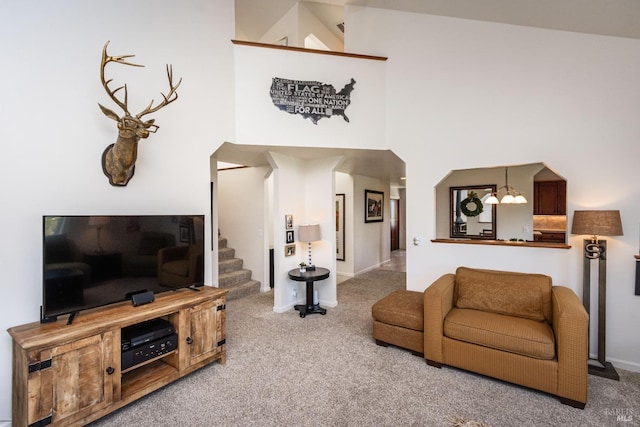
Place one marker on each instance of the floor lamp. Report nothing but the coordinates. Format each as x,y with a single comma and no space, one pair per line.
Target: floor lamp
597,223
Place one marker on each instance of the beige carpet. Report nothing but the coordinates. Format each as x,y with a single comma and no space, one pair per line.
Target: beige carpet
283,370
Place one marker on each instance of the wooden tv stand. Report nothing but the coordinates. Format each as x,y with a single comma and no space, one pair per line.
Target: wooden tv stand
71,374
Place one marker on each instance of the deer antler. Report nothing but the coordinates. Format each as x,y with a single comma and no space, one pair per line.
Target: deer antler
168,99
105,83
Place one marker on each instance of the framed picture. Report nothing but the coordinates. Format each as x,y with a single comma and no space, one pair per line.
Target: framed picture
289,250
340,227
288,220
290,236
373,206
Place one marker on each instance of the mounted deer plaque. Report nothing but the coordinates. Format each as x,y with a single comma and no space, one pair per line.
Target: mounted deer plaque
118,159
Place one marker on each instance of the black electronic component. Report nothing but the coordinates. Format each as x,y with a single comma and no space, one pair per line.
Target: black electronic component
142,333
147,351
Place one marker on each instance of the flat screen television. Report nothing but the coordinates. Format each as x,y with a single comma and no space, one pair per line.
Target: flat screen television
91,261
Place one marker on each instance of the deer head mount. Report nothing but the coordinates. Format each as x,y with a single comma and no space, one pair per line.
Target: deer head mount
119,158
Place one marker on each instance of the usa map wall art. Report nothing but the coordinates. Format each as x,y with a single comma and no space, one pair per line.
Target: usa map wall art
311,99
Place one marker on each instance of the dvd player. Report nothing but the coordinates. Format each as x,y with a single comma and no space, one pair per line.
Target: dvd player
145,332
150,350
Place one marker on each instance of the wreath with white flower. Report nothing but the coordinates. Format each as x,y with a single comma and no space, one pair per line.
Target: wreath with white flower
472,205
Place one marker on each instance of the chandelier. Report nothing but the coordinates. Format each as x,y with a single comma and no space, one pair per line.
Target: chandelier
511,195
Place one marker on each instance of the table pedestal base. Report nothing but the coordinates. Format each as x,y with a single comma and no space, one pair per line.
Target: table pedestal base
305,309
309,307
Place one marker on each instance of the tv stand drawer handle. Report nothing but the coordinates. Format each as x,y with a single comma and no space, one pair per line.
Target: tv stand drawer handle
110,370
189,340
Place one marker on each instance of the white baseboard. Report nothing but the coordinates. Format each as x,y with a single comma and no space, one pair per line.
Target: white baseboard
370,268
617,363
5,423
287,307
349,275
622,364
325,303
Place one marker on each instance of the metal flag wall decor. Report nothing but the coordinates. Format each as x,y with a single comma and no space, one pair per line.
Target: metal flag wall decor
311,99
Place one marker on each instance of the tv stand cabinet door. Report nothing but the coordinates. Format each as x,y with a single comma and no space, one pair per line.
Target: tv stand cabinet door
80,366
206,333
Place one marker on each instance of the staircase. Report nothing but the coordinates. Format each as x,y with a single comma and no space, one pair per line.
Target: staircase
231,275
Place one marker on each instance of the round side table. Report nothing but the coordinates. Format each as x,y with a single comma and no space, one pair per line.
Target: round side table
309,277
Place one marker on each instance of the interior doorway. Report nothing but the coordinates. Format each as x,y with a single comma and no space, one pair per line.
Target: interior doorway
394,224
240,171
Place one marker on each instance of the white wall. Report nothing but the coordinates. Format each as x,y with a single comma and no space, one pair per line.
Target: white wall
344,185
297,24
310,24
304,189
367,245
241,209
372,245
488,94
287,26
260,122
319,193
52,132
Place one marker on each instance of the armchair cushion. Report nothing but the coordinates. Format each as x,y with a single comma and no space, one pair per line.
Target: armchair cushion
513,294
513,334
501,298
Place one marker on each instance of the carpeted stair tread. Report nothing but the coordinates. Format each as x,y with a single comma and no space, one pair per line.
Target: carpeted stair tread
231,275
231,278
226,253
228,265
243,289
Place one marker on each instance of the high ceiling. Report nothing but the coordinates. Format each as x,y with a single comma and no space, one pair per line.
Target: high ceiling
620,18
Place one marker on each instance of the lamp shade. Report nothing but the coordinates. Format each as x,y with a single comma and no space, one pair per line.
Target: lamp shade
597,223
507,199
520,199
309,233
492,200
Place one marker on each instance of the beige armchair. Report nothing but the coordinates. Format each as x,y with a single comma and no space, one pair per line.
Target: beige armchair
180,265
515,327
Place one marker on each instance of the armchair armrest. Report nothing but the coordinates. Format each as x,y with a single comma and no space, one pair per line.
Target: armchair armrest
438,301
571,330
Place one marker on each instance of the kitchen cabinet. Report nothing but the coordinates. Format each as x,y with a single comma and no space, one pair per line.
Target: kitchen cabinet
550,236
550,198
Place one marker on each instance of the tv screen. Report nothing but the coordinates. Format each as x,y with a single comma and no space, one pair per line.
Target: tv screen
91,261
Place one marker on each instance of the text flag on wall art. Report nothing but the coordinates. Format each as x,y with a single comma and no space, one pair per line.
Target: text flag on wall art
313,100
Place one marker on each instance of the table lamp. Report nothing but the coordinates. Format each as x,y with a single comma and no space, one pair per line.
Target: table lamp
309,233
597,223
